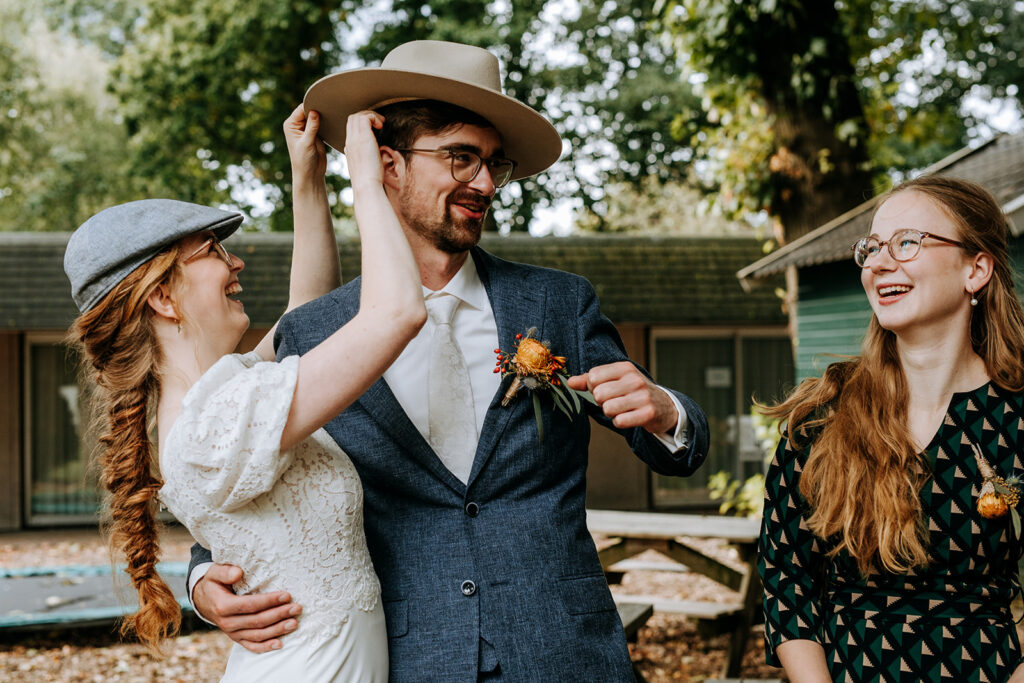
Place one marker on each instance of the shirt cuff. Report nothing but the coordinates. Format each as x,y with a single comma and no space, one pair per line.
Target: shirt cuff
198,572
679,439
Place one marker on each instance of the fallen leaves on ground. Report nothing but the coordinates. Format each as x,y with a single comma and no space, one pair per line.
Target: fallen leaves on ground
99,658
668,649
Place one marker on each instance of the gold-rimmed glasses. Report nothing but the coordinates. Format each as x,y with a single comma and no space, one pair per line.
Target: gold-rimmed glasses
904,245
211,244
466,164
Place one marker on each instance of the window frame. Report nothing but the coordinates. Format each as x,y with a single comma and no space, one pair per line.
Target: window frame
30,340
736,334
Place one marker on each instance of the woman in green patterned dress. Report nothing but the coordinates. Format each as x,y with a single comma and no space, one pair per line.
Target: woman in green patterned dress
876,561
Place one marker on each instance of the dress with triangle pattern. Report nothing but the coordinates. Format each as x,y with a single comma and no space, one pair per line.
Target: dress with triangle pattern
949,621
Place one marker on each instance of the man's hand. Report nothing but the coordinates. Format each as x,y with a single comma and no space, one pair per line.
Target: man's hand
253,621
628,397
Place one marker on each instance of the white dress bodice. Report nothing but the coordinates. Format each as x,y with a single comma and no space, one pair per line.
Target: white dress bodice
292,520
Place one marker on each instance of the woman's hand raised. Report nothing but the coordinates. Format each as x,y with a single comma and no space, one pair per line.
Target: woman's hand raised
361,149
306,151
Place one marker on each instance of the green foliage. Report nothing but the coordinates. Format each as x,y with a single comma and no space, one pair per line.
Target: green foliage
799,107
833,98
108,25
63,154
625,91
205,86
738,500
656,207
746,499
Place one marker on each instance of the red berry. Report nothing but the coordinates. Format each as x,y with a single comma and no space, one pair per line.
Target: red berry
497,369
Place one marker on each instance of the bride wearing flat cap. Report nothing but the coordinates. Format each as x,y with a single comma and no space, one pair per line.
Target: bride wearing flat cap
242,461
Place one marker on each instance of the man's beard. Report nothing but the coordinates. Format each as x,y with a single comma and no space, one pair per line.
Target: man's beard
451,233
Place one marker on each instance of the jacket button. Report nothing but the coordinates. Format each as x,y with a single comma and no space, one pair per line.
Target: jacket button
468,588
472,509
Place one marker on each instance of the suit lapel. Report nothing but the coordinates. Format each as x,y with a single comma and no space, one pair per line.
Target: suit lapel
380,404
516,308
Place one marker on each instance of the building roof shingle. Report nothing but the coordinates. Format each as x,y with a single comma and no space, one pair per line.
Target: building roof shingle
642,279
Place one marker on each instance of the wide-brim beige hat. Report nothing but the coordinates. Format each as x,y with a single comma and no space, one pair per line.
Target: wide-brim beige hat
467,76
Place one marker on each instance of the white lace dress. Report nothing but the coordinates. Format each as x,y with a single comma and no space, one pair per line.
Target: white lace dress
291,520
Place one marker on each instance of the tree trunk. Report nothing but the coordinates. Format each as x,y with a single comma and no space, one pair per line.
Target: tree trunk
820,166
816,176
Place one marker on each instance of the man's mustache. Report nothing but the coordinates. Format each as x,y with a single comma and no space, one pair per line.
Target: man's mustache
472,200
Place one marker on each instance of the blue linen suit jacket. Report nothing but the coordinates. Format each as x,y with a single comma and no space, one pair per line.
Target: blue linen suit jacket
538,601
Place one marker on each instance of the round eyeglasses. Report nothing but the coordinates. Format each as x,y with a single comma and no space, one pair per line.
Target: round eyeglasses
904,245
465,164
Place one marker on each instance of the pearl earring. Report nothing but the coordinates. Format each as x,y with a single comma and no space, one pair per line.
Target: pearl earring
974,299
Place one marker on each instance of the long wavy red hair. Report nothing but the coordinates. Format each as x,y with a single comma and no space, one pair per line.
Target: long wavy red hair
864,473
122,358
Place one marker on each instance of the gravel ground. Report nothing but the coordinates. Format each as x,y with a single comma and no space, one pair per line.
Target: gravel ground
669,649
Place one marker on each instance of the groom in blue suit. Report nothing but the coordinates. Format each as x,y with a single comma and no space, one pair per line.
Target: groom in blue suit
486,566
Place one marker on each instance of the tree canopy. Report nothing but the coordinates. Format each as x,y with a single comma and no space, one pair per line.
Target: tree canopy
811,104
62,150
794,107
203,86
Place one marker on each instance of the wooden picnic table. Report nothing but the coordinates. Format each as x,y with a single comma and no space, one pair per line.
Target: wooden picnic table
629,533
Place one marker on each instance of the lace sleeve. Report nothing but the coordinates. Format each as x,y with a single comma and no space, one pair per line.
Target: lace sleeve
225,445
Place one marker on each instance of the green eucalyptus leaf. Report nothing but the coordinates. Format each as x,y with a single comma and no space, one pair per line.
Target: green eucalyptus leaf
1015,516
1020,572
537,413
561,402
571,392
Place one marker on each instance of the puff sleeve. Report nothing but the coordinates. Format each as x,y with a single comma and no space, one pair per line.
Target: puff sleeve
225,445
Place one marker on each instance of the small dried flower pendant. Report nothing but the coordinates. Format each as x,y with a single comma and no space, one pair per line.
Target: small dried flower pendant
998,495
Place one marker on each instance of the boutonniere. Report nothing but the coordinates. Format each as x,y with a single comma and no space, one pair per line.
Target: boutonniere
997,496
536,369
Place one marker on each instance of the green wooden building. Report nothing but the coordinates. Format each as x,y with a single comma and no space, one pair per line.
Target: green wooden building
830,312
676,302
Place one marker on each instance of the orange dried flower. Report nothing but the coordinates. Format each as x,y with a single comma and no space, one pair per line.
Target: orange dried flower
992,506
536,369
536,360
995,502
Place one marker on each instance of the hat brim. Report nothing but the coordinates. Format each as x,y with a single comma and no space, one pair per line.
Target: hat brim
527,138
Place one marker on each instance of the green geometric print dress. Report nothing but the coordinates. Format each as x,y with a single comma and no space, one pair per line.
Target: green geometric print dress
949,621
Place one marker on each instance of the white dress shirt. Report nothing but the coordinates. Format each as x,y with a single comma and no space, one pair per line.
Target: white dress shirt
475,332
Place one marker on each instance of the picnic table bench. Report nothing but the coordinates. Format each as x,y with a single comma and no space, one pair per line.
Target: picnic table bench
630,533
633,615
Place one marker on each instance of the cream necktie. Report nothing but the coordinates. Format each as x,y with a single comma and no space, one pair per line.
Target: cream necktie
450,407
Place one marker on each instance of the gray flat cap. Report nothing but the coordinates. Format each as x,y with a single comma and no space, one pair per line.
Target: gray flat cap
117,240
